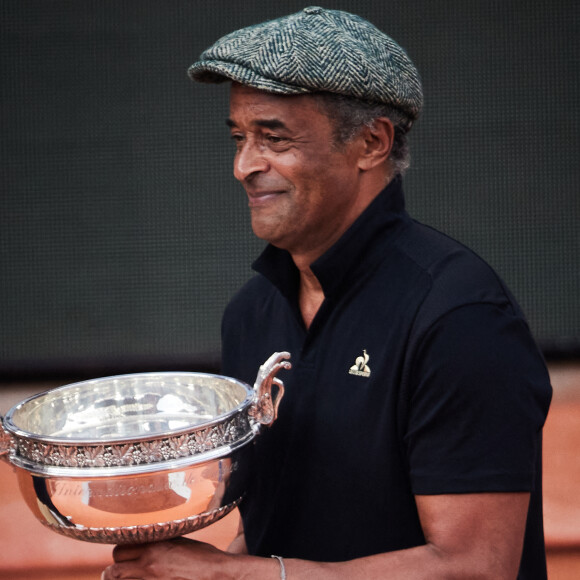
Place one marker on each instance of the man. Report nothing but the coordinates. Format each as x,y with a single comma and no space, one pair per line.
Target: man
408,443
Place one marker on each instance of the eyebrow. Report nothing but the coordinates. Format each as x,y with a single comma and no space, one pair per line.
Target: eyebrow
265,123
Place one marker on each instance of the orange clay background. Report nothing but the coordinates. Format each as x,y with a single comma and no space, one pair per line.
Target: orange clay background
29,551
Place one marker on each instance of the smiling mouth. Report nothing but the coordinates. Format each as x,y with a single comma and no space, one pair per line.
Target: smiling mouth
258,198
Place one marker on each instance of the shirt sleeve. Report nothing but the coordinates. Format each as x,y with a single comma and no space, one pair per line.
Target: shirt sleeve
480,395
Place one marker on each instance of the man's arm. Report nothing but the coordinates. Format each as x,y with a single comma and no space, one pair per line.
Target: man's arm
467,535
477,536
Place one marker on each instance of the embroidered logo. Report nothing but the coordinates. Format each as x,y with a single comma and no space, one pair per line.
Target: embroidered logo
360,367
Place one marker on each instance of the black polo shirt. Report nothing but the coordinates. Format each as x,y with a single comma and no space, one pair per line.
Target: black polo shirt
418,375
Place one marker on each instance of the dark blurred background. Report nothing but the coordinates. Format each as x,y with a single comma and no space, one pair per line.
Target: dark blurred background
123,233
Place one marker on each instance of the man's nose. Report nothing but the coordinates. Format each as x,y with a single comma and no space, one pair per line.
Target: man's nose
249,159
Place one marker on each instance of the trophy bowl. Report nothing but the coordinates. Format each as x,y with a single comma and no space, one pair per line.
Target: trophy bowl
139,457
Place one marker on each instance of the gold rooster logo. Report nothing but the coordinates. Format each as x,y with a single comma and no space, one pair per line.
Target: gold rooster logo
360,366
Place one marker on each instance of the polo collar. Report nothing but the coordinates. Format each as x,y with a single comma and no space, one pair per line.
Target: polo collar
355,250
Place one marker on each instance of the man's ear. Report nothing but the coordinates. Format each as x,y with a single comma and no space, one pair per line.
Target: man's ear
378,142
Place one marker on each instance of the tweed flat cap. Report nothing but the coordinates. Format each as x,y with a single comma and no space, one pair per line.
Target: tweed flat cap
316,50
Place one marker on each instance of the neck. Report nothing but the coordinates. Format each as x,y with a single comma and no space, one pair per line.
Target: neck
311,296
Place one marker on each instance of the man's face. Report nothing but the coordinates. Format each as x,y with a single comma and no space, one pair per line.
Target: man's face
301,187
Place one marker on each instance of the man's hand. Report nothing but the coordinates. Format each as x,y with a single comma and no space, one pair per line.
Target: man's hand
179,559
184,559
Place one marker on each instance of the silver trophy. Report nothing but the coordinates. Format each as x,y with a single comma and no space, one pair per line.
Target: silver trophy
139,457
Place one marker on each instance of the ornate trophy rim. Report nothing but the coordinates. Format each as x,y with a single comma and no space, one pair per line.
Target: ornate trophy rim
54,456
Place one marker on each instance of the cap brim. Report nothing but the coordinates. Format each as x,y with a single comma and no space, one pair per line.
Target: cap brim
215,71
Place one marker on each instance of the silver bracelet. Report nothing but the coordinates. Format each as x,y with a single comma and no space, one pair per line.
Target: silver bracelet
282,567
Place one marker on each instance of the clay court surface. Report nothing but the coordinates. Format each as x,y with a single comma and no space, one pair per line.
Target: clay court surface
31,552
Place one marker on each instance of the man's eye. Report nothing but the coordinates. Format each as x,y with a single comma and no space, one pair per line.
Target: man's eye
237,139
277,142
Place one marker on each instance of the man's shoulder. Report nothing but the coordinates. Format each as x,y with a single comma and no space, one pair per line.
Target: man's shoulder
456,275
435,252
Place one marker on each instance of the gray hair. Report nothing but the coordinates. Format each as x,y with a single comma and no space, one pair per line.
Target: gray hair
350,115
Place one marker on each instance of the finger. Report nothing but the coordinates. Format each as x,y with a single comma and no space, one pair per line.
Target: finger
124,553
121,572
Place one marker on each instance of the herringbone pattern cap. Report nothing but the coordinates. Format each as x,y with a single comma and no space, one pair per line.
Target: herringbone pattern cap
316,50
